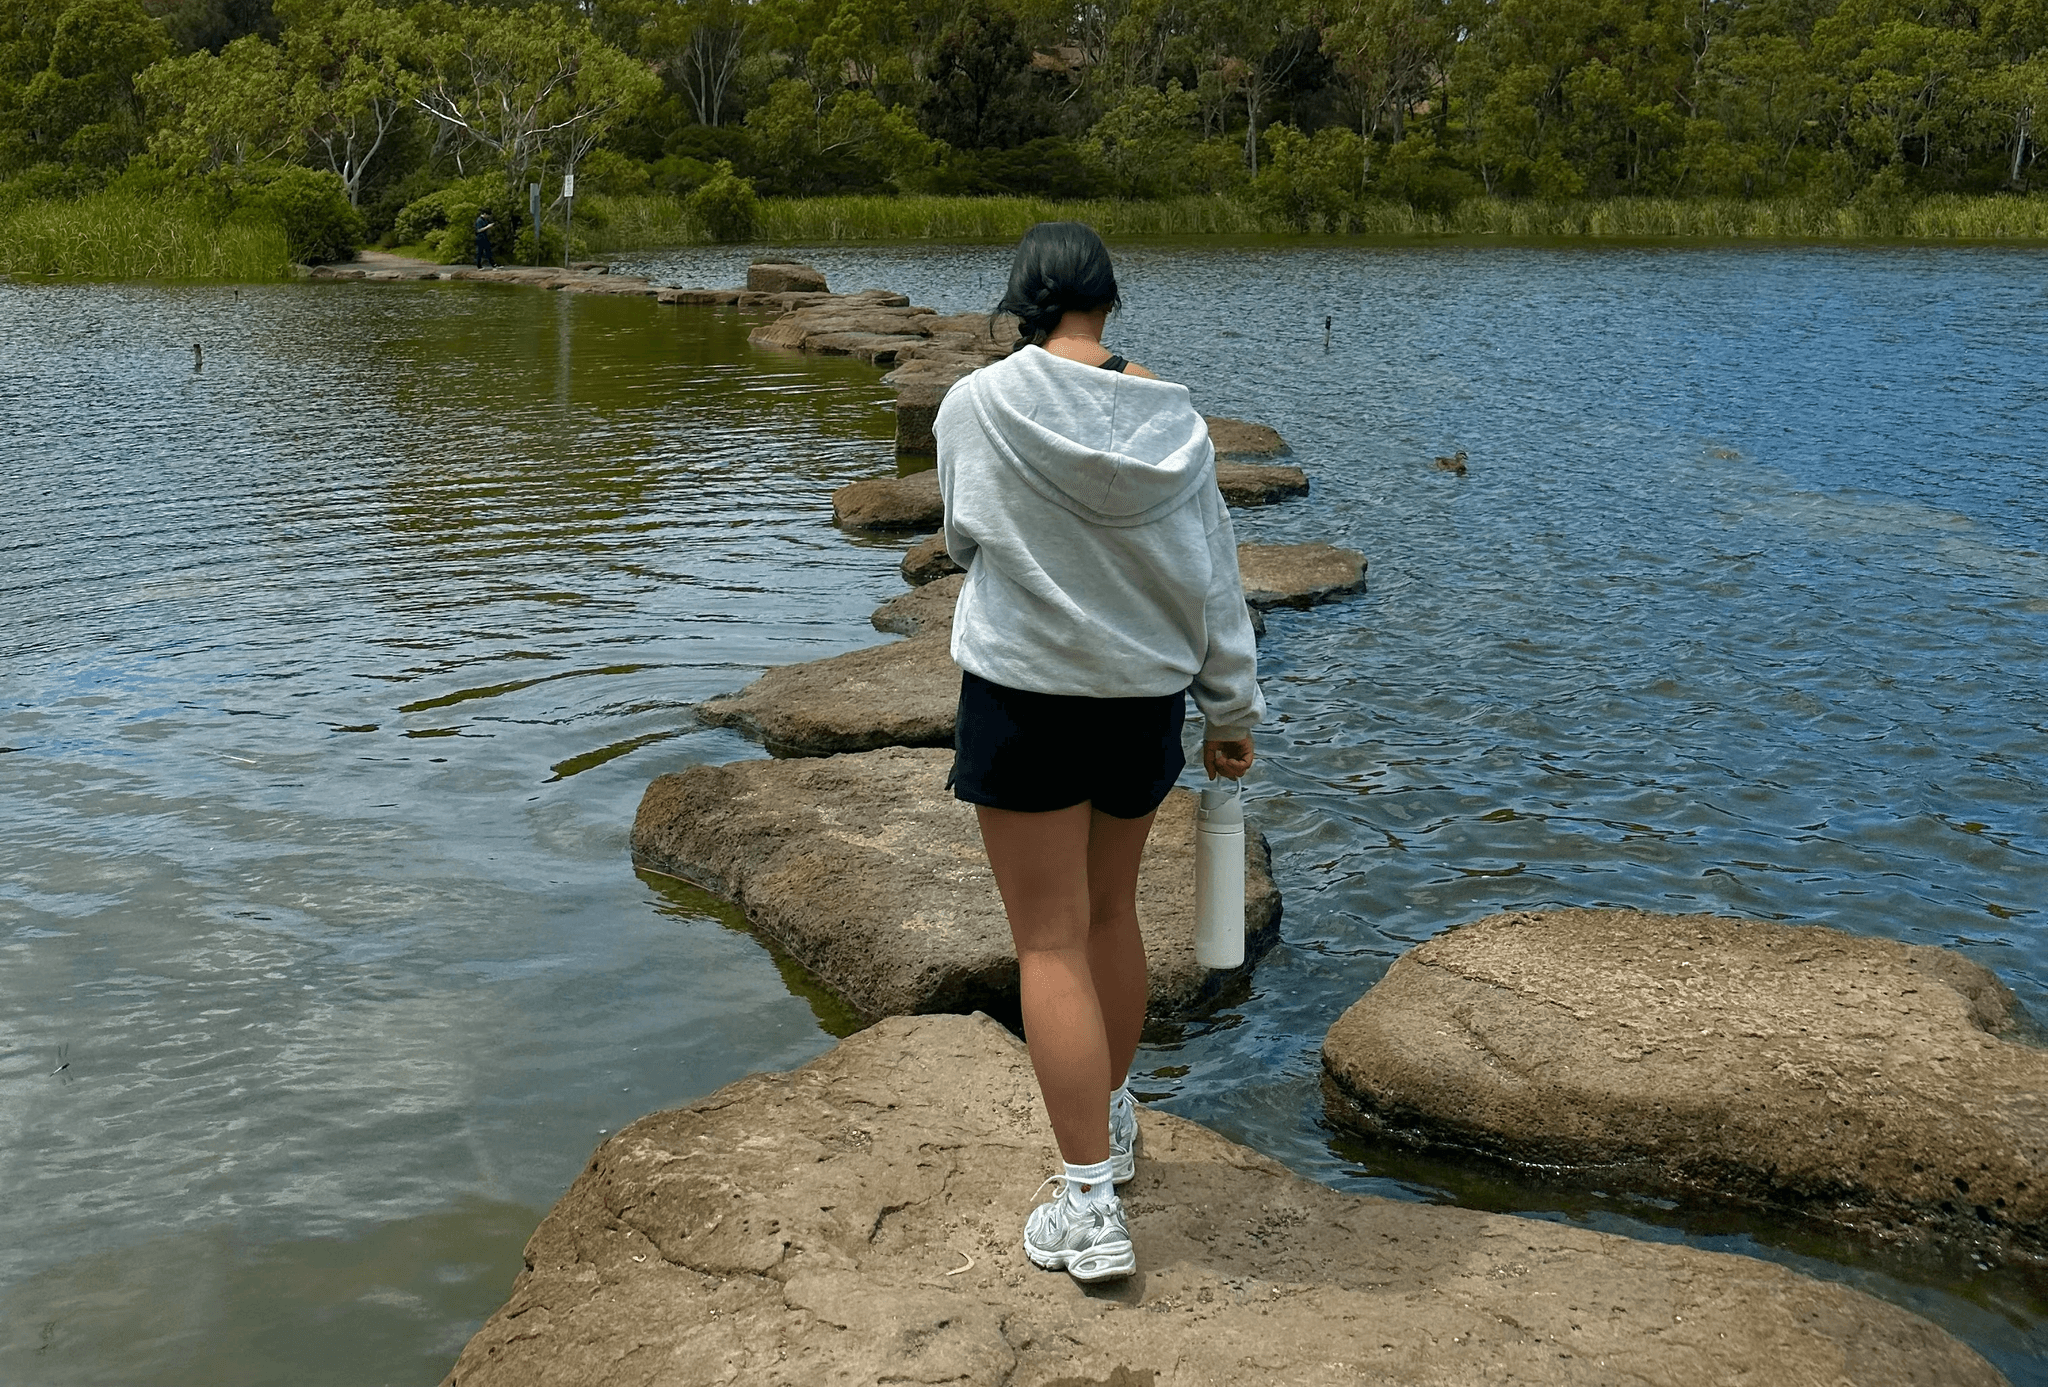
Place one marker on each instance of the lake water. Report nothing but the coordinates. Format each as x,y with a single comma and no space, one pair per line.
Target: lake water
331,673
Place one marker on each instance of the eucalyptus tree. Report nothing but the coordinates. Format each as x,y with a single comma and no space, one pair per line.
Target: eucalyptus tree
228,110
353,77
524,87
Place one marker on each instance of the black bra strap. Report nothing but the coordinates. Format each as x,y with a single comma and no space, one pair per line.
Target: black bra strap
1115,363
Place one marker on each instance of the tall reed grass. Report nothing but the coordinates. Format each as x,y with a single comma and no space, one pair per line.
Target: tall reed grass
119,235
623,222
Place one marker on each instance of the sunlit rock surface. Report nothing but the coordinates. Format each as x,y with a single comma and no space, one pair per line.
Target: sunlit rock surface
1298,575
858,1221
1239,439
927,561
869,872
1867,1081
782,277
890,503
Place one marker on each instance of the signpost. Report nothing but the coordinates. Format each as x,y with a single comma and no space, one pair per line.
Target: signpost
568,213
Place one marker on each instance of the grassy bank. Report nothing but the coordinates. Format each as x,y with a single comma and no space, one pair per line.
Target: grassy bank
614,223
112,235
117,235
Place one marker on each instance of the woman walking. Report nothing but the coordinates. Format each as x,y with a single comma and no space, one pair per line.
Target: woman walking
1102,587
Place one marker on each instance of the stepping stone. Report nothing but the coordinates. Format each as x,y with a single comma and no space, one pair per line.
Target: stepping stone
1237,439
925,610
858,1220
869,873
1247,484
906,693
927,562
1298,575
1868,1082
784,277
890,503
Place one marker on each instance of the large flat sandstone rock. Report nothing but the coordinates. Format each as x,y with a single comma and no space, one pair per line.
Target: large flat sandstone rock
891,503
1248,484
1859,1079
906,693
869,872
926,610
784,276
1298,575
1240,438
857,1221
927,561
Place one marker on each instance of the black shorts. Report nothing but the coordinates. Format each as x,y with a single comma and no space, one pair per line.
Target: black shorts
1035,752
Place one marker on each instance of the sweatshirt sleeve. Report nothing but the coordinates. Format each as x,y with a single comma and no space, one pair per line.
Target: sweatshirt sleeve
1226,687
959,547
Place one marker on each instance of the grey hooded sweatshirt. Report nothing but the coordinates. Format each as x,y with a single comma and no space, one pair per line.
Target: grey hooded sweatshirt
1100,557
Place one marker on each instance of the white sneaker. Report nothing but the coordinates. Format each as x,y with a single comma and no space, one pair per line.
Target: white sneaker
1123,1136
1089,1242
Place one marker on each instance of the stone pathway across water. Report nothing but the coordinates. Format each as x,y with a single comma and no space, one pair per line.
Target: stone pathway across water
809,1227
857,1221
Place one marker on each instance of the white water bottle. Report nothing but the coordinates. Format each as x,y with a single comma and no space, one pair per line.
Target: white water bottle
1219,877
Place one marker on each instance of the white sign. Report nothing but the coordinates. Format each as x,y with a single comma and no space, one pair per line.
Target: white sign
568,185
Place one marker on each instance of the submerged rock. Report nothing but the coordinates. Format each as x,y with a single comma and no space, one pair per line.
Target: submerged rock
869,873
906,693
1237,438
1298,575
1861,1079
781,277
927,562
890,503
857,1221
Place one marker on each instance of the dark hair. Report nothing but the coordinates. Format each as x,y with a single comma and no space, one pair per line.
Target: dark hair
1059,267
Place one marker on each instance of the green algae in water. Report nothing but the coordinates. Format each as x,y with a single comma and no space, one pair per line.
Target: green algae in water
686,899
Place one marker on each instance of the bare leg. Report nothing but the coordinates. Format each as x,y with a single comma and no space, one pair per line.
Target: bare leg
1116,952
1046,866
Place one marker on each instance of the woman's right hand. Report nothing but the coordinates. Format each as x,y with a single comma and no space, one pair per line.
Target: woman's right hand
1229,759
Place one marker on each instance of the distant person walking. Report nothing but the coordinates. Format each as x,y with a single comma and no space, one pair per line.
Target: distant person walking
485,225
1102,587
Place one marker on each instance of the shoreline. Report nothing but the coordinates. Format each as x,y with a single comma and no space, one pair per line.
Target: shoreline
647,224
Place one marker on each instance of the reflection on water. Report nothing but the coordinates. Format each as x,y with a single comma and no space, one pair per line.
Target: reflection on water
336,671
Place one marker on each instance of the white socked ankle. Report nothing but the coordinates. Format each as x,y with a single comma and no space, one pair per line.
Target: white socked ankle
1089,1184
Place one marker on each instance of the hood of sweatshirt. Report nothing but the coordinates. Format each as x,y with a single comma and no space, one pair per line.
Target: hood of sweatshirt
1114,449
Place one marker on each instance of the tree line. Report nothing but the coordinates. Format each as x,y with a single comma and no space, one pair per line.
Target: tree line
403,117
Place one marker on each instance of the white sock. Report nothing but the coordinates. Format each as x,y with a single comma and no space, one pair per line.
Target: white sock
1123,1091
1088,1185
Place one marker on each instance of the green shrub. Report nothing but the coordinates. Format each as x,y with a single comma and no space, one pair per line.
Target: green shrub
454,207
550,246
677,174
608,171
1421,173
311,206
726,206
48,182
1310,183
